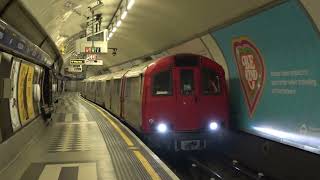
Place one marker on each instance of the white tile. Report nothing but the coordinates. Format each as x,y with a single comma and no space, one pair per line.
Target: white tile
50,172
87,171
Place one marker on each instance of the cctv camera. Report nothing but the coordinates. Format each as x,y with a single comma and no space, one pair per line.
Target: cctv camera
114,52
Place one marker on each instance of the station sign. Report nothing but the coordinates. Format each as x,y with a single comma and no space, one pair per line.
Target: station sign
13,41
94,62
74,68
85,46
91,57
77,61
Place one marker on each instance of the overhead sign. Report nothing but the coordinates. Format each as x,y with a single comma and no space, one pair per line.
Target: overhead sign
94,62
100,43
74,68
92,49
91,57
77,61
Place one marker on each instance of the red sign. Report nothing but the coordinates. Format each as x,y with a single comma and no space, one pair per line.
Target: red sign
251,70
87,49
92,49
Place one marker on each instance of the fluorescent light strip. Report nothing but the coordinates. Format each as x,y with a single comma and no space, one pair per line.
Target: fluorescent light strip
119,23
130,4
124,15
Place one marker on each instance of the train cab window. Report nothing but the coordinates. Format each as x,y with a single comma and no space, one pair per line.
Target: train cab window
162,84
186,82
210,82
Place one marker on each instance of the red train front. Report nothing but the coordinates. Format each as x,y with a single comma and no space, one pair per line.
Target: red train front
185,101
177,101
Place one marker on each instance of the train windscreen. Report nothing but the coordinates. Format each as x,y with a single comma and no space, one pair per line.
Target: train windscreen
162,84
210,82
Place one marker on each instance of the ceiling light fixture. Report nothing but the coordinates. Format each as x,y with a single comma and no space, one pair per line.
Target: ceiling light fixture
130,4
119,23
124,14
120,14
114,29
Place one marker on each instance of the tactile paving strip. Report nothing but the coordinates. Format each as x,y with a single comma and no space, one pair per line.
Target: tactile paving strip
71,137
124,162
126,165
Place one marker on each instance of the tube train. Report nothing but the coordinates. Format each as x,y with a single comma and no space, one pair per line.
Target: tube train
179,101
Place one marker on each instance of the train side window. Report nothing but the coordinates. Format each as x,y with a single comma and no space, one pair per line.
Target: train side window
210,82
128,87
162,84
132,86
117,86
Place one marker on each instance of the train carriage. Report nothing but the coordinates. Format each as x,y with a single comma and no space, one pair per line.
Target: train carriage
180,99
107,98
116,93
99,90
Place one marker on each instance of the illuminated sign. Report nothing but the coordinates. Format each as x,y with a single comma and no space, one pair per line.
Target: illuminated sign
91,57
92,49
77,61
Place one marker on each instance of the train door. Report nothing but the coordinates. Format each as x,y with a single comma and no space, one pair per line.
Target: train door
187,79
122,95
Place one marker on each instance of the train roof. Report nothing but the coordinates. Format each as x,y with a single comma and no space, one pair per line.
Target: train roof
136,71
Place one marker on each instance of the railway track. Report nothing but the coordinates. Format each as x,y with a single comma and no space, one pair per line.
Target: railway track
208,166
221,169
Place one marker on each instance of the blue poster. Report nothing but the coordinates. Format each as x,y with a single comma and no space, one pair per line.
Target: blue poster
273,59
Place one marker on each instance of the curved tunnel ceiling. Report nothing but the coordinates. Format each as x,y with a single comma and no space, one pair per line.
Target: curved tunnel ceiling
151,25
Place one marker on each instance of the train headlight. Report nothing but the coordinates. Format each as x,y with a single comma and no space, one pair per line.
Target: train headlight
213,126
162,128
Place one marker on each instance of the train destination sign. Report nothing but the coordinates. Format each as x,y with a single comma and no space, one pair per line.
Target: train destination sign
77,61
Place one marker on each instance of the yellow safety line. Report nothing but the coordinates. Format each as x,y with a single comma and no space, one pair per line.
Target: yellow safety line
154,175
147,166
115,126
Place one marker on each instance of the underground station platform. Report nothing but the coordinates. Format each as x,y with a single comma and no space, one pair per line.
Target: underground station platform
85,142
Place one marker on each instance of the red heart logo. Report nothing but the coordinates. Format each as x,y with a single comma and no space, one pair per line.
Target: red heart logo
251,70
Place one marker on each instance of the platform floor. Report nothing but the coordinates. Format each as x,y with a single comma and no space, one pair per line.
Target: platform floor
84,142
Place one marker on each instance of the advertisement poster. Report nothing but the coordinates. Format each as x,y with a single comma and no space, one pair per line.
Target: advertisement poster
29,92
21,93
273,63
13,100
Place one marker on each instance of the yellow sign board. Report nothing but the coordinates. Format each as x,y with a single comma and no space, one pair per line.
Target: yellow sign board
77,61
25,93
29,92
21,93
